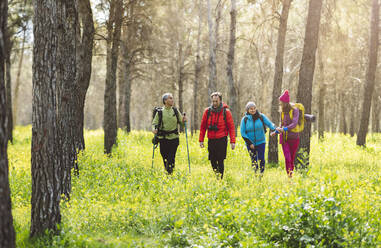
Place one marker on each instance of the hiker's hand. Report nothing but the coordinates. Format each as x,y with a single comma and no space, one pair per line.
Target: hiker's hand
279,129
202,144
184,118
232,145
272,134
155,131
252,147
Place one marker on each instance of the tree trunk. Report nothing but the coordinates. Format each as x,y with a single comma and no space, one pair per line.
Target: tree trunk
322,90
114,30
376,111
181,80
370,74
230,62
217,38
17,82
67,19
307,68
343,121
7,232
278,78
84,60
46,170
8,85
197,70
127,99
212,85
121,85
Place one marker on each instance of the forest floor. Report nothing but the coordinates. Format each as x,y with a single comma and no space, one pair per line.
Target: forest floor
120,201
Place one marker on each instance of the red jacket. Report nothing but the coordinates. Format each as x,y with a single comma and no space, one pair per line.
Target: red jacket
218,118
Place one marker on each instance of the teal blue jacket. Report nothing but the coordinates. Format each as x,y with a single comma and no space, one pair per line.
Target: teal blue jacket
255,132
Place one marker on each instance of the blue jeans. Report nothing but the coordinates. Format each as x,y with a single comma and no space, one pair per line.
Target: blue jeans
257,154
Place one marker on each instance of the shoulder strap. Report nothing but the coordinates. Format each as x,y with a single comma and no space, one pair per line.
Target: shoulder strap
245,119
263,123
177,114
160,113
207,115
225,119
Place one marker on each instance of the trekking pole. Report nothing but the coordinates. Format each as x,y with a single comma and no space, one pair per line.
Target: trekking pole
186,138
153,150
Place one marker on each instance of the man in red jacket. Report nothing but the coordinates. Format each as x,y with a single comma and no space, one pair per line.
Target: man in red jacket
218,120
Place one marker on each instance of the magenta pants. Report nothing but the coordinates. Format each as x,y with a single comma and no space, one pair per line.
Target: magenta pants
290,147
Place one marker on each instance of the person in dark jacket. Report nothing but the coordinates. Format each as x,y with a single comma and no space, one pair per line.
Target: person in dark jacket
218,121
253,126
167,131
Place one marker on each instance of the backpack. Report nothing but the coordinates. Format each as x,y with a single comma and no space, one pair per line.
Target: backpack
261,118
224,114
159,111
300,126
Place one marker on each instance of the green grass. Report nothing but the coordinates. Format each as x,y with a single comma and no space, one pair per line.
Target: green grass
120,201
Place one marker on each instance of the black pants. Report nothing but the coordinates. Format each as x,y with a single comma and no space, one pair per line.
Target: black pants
168,150
217,154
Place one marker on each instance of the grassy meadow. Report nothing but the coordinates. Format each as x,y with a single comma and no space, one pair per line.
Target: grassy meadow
120,201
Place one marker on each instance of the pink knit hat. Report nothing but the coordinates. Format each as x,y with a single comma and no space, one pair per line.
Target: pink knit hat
285,97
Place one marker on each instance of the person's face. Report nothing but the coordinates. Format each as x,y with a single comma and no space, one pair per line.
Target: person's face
216,101
252,110
169,101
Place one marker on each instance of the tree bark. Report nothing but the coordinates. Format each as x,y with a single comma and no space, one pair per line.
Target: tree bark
114,31
7,232
278,78
181,79
17,82
230,62
8,85
197,71
307,68
46,170
370,74
322,91
124,82
376,110
212,85
84,62
67,18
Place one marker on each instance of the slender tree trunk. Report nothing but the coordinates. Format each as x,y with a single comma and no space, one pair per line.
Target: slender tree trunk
352,123
197,70
127,99
212,85
230,62
307,68
322,90
7,232
121,85
46,168
278,78
113,40
17,82
181,79
370,74
8,85
67,19
376,111
84,60
217,38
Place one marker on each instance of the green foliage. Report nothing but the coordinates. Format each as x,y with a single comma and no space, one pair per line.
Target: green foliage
119,201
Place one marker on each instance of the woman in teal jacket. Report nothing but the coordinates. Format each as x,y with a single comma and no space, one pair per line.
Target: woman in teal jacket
253,131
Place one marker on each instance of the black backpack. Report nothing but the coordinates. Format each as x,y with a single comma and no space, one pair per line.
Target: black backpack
224,114
159,111
261,118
